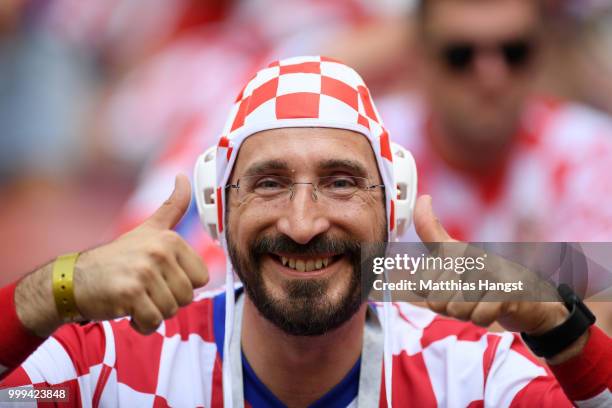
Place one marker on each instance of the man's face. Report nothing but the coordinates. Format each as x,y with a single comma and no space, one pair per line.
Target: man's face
479,58
298,257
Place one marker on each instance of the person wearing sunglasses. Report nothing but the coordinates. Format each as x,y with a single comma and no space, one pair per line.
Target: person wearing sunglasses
505,161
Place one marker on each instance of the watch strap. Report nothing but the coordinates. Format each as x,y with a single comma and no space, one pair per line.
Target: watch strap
559,338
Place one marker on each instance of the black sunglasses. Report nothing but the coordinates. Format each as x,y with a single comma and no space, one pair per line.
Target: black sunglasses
517,54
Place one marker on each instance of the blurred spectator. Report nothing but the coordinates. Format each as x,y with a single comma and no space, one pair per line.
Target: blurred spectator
501,163
123,33
53,196
45,90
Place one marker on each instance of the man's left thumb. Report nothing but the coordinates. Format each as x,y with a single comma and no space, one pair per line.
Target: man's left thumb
427,225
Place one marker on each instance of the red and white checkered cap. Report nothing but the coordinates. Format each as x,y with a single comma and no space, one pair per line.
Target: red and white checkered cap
307,91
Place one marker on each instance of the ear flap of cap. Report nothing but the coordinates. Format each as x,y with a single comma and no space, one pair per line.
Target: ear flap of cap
405,172
204,188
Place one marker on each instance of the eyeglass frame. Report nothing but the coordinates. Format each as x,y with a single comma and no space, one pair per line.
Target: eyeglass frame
315,186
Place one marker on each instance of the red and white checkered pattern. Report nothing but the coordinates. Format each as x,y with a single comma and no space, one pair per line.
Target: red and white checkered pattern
109,364
551,187
436,362
304,92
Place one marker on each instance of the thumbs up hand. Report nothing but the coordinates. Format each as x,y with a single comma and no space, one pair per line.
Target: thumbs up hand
147,273
531,317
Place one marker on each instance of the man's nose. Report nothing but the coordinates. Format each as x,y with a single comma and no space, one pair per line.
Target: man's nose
305,216
491,69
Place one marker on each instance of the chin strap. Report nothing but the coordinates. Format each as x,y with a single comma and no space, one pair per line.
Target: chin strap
229,330
387,347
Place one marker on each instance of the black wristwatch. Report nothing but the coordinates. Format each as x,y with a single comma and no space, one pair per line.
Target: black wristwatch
559,338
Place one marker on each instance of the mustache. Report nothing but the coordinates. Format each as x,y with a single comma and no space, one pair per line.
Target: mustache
321,244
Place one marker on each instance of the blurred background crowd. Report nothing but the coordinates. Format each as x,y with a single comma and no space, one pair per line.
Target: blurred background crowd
504,104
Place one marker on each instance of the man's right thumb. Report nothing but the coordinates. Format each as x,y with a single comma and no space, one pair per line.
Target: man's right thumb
173,209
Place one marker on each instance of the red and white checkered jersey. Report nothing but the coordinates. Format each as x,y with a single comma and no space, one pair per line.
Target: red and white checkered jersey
554,185
437,361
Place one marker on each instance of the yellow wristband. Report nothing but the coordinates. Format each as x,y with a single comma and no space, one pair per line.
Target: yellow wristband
63,288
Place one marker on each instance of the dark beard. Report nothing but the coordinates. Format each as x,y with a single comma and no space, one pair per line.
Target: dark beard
306,310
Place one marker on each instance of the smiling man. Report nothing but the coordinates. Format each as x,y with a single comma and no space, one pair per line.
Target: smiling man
304,176
302,267
295,220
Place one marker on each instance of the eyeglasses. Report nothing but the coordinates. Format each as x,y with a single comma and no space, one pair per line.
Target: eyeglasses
271,187
459,56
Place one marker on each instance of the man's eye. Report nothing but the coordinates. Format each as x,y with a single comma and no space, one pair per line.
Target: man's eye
269,184
340,183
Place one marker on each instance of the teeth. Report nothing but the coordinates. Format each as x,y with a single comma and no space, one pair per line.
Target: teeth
305,265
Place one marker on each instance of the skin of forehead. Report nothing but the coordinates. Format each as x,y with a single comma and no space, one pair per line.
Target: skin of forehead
487,20
303,148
